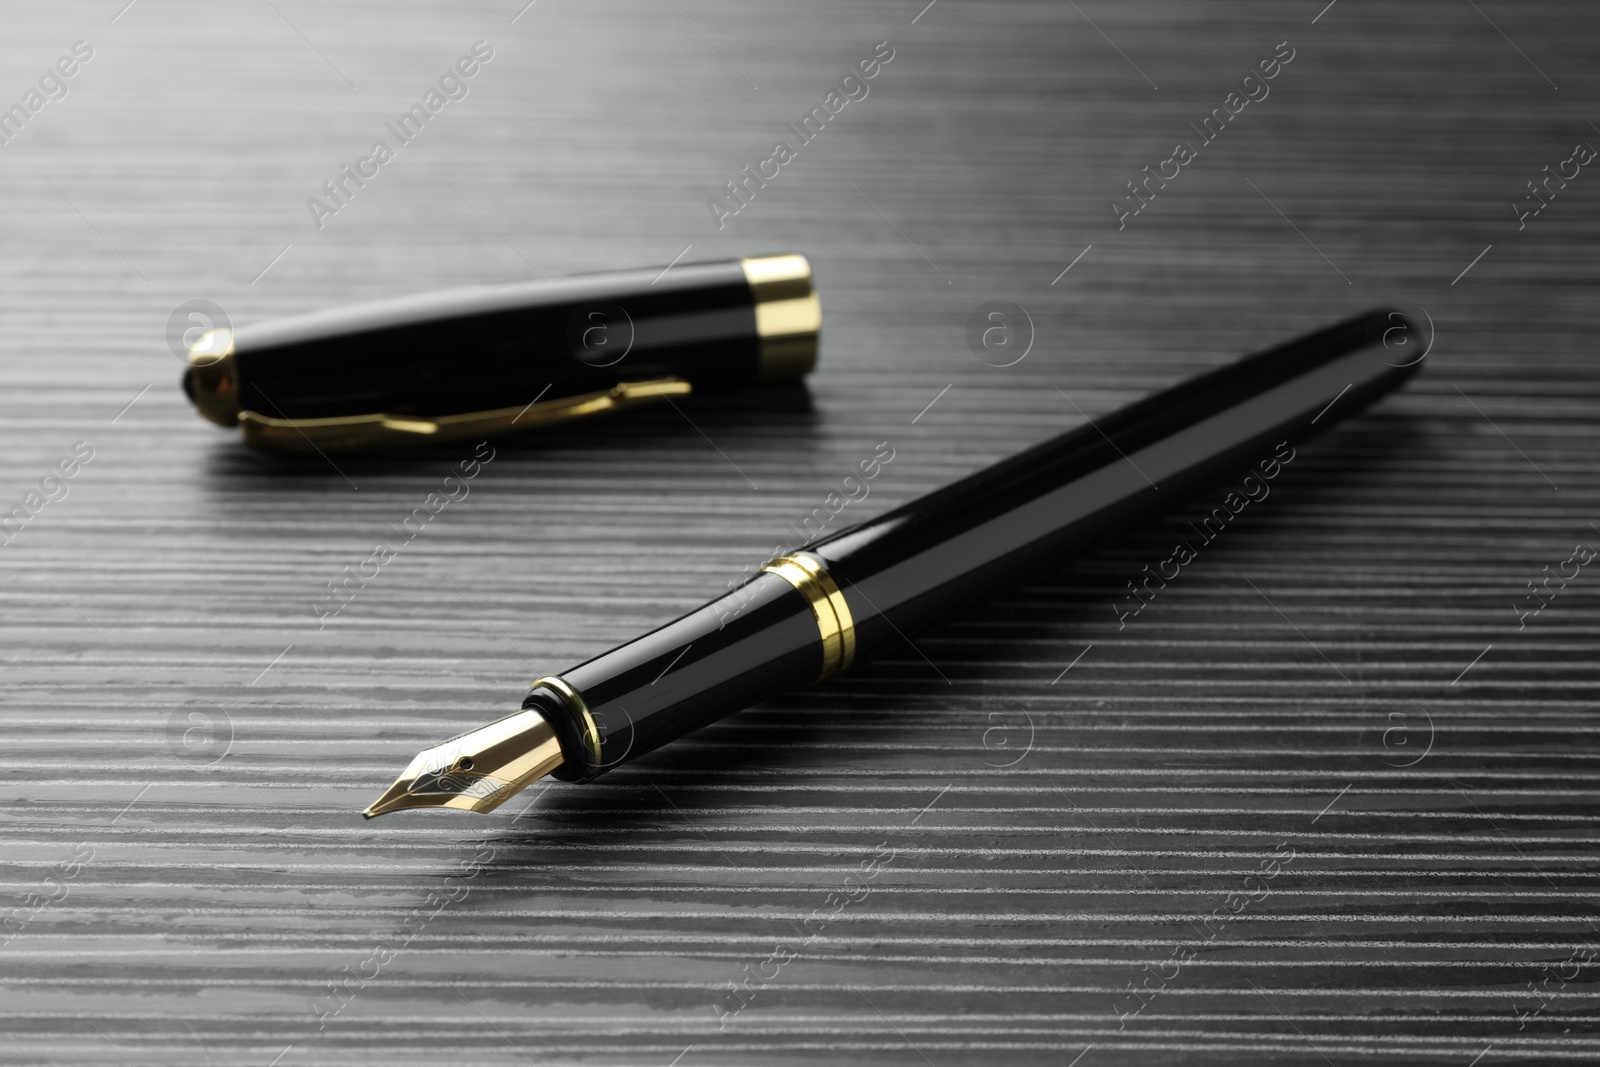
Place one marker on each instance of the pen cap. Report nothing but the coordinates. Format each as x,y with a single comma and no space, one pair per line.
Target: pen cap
503,358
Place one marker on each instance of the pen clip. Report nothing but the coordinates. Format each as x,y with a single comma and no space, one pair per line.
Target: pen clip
354,432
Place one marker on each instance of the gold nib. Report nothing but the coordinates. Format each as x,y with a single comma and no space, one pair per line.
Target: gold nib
478,770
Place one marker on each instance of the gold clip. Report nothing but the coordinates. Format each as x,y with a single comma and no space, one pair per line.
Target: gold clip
353,432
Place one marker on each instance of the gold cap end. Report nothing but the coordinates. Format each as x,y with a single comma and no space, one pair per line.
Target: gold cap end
211,380
788,315
478,770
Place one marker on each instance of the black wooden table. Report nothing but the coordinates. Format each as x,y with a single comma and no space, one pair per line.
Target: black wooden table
1328,796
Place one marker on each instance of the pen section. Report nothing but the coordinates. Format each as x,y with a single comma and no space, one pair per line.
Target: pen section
757,641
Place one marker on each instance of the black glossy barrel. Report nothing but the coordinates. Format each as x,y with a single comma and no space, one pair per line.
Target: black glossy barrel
914,566
496,346
921,562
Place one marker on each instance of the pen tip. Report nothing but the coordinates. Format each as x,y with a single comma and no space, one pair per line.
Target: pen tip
475,771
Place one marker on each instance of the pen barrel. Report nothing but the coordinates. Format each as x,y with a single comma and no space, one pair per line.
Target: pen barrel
920,563
489,347
866,590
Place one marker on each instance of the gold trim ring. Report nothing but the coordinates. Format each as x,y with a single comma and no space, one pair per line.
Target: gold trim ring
828,606
788,315
575,703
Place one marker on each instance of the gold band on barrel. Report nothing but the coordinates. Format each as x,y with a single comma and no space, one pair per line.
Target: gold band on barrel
834,622
575,703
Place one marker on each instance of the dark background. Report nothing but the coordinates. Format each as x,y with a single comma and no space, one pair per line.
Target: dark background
1340,677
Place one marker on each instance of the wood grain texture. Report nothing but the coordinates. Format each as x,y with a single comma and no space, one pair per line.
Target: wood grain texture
1068,804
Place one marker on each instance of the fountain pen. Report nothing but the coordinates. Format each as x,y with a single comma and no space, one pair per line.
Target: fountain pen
809,615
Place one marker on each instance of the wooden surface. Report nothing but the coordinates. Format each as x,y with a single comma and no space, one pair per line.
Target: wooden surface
1339,678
